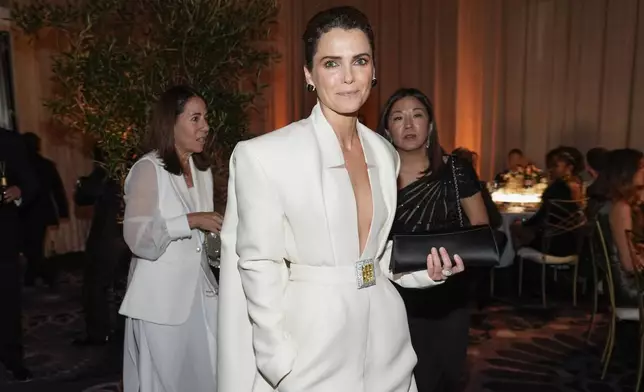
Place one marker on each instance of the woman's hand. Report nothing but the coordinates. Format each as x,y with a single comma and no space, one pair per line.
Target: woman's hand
206,221
440,267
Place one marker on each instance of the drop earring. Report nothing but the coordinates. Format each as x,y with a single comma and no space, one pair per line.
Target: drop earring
374,82
310,88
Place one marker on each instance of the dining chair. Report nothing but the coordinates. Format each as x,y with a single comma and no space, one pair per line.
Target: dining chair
616,312
563,217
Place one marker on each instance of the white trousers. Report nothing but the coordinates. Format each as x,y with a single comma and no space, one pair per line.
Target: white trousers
174,358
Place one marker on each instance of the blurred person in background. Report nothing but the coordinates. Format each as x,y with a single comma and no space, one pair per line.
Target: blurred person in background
563,168
516,162
624,175
597,188
46,210
19,187
104,250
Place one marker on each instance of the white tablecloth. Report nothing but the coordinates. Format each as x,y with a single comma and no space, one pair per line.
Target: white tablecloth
507,258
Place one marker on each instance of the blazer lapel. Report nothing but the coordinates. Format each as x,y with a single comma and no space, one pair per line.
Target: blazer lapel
205,190
181,189
197,183
381,159
340,211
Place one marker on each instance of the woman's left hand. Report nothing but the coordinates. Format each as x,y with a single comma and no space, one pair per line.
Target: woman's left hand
440,265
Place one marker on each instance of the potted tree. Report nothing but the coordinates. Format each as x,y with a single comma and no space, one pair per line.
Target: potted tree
115,56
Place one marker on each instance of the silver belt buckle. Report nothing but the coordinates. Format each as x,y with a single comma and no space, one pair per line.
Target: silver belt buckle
365,273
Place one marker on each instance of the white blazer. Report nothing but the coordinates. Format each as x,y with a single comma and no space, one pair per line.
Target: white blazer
167,255
289,197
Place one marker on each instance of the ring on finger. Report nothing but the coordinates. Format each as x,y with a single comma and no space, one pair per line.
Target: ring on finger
447,273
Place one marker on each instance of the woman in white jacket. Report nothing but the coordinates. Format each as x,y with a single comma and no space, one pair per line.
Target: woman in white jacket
305,303
171,299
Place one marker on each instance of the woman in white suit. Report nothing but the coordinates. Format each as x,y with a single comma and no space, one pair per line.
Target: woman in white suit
306,304
171,299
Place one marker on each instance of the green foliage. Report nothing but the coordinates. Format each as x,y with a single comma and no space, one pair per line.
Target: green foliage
118,55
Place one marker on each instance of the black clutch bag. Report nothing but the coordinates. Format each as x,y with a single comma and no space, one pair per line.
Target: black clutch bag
478,246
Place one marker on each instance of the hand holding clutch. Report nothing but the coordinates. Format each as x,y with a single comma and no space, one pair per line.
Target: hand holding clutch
440,265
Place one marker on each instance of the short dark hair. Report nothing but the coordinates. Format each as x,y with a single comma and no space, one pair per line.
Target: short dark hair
345,17
515,151
160,134
596,158
551,157
434,151
573,157
569,155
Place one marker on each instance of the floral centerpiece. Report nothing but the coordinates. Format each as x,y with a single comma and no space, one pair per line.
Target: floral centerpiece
525,178
520,188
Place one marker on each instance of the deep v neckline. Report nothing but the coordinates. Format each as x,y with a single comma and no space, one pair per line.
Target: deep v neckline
362,249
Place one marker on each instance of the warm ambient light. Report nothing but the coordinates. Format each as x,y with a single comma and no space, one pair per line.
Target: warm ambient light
501,196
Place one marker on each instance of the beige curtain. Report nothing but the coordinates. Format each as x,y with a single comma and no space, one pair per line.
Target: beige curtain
531,74
502,74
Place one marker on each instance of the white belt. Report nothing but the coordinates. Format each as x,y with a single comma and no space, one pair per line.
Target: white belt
363,274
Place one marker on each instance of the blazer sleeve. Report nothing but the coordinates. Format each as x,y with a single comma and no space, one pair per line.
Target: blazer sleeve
145,231
264,275
416,280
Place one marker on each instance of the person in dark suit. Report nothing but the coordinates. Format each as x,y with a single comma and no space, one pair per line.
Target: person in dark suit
105,250
21,191
48,207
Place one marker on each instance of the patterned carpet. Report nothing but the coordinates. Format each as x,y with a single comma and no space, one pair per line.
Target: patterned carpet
532,349
513,349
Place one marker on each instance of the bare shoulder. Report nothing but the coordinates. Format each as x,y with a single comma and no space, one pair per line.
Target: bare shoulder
620,208
620,214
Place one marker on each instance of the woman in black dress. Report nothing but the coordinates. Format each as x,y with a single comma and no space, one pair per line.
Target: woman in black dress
437,191
565,184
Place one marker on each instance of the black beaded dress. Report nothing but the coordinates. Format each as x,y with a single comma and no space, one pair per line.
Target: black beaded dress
438,316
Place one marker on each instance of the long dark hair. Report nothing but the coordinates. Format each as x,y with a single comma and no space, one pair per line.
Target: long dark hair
435,152
160,134
621,167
